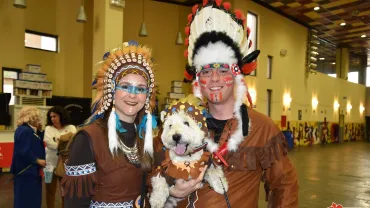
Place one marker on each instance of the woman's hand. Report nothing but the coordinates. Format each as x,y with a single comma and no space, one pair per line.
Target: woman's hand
41,163
183,188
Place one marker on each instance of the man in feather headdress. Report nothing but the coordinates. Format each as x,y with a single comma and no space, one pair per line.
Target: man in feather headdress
250,147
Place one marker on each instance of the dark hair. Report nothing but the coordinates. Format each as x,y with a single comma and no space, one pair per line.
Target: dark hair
63,116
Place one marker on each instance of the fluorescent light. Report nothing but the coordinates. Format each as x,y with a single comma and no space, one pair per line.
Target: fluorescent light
316,8
363,36
333,63
342,24
322,58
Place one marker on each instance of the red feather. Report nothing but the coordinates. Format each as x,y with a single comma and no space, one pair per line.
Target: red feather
187,75
248,32
186,41
190,18
250,99
227,5
186,53
194,9
238,14
205,2
187,31
250,44
218,2
248,68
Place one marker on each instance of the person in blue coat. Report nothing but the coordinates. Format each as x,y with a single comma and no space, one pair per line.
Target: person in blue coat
28,159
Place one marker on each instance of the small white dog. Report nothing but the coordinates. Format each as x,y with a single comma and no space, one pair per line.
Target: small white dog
184,137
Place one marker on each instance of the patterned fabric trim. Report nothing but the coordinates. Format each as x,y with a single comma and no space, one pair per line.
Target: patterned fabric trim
129,204
79,170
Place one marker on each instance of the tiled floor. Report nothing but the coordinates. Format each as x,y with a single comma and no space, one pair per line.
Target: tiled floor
331,173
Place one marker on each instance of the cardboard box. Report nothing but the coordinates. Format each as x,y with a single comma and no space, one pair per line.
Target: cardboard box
32,76
176,84
168,100
20,84
46,86
175,95
176,89
33,68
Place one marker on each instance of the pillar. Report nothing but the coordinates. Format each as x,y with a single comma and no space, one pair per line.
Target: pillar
342,63
107,30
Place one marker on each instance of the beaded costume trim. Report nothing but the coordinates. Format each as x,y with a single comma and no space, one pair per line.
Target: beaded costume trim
79,170
129,204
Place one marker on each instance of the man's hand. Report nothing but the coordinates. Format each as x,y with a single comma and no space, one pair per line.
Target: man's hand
183,188
40,162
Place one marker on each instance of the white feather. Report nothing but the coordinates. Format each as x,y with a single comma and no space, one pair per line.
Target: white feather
237,137
217,52
148,143
112,133
196,89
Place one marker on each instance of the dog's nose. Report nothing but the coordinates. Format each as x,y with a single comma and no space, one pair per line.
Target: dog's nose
176,137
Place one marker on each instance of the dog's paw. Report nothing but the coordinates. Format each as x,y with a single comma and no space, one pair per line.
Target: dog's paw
216,179
160,192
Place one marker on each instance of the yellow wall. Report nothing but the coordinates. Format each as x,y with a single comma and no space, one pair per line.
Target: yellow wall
276,32
69,70
163,23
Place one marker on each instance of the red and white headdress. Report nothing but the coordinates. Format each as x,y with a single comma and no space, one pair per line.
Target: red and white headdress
218,36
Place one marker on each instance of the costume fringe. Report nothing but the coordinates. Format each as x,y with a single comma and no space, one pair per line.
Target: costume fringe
80,186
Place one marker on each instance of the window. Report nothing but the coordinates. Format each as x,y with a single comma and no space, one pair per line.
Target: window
269,101
269,67
41,41
368,76
8,76
353,77
333,75
252,24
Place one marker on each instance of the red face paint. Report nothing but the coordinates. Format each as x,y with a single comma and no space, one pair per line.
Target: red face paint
228,81
203,83
212,97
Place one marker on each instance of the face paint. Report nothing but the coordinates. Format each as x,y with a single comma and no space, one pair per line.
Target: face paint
228,81
203,83
130,110
216,97
133,89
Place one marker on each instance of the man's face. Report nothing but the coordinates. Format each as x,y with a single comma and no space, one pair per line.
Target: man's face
216,84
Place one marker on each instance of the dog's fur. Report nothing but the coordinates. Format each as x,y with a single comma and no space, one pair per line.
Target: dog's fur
184,126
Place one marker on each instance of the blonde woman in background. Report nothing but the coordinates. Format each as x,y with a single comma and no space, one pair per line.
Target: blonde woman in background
28,159
58,124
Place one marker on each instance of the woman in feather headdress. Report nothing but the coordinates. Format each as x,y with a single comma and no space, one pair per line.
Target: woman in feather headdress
111,153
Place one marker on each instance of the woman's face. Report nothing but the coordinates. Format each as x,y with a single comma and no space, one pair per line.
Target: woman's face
55,119
130,96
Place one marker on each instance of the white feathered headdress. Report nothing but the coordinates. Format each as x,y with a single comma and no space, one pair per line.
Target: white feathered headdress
218,36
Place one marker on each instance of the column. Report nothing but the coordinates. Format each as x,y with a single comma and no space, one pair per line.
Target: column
107,30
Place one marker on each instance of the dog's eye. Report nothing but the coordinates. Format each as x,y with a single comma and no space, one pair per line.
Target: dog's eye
186,123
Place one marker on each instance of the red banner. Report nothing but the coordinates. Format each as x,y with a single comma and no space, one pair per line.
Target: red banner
6,154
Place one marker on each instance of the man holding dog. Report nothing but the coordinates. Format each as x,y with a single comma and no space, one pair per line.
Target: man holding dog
251,147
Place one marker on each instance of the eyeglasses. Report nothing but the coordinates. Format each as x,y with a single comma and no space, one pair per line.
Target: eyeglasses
219,71
133,89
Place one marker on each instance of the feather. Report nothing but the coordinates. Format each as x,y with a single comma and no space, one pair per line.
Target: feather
194,9
186,53
238,14
148,143
205,2
227,6
187,31
112,134
187,41
190,18
218,2
237,137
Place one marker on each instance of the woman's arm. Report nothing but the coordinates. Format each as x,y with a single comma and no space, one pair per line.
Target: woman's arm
81,155
49,138
23,146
